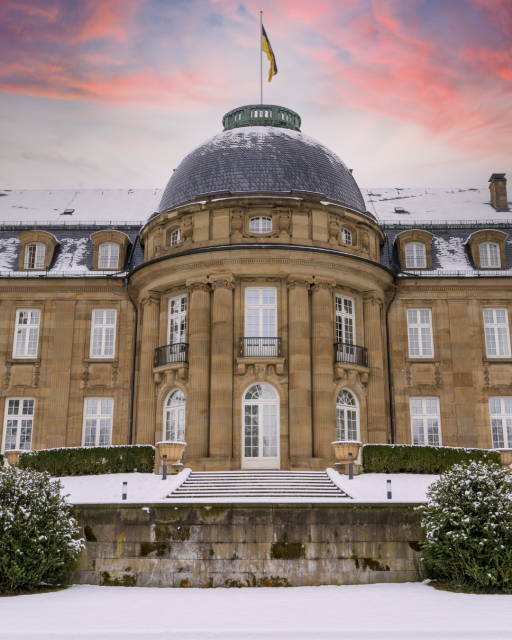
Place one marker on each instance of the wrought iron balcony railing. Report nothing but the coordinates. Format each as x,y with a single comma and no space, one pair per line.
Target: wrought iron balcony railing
259,348
351,353
171,353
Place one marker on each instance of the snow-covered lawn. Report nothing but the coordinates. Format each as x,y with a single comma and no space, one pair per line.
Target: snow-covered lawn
380,611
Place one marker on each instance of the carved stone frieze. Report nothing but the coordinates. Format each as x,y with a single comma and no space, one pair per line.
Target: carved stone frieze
222,281
323,283
198,284
294,282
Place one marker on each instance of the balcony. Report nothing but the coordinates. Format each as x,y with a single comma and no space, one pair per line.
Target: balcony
350,354
259,348
171,354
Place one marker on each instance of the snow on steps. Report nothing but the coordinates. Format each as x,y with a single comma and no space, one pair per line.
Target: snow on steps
266,485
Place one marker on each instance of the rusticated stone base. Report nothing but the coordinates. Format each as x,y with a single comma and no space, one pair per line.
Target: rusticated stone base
248,545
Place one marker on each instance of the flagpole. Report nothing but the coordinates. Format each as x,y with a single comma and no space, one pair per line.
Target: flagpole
261,60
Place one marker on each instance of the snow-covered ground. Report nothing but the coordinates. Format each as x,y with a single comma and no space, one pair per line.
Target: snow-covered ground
378,612
148,488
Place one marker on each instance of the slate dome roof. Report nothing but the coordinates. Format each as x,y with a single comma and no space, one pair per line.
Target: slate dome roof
250,158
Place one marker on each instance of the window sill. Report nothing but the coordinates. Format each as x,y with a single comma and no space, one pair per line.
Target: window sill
99,359
426,360
23,360
497,360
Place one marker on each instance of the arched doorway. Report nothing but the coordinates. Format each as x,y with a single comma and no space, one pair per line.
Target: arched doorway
260,428
174,417
347,416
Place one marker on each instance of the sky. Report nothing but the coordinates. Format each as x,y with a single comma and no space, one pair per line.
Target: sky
114,93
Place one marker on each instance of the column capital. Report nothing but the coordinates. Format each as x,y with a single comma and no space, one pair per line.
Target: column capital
323,283
222,281
372,298
198,284
150,298
295,282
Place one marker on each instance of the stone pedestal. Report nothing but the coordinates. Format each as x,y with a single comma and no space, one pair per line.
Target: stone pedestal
13,457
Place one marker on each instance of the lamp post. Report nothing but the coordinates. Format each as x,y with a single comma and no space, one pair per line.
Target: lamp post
389,489
164,469
125,490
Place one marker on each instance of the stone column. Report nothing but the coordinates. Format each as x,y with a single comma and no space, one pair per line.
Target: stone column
198,400
63,326
324,413
299,367
146,405
221,386
376,391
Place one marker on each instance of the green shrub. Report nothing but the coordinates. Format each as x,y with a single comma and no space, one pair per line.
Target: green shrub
468,523
406,458
37,532
84,461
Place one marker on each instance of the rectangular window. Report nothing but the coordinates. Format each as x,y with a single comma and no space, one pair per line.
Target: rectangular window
345,322
415,256
34,256
109,256
97,431
26,334
426,421
489,255
18,423
260,313
177,320
501,422
419,325
103,334
496,333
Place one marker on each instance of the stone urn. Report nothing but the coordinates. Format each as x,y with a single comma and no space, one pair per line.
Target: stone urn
342,448
173,451
13,457
506,457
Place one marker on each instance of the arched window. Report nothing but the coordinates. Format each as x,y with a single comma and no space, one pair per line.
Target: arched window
174,417
260,428
175,237
260,225
109,256
346,416
415,255
489,255
34,255
347,236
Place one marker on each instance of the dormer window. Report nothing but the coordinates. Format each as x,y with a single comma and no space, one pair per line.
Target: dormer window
415,255
346,236
109,256
489,255
175,237
260,225
34,255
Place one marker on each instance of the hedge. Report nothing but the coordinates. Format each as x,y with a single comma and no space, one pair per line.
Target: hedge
85,461
406,458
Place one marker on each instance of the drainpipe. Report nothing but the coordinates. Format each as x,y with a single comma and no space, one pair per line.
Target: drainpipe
390,368
134,353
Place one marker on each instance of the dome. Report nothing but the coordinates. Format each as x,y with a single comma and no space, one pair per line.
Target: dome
261,154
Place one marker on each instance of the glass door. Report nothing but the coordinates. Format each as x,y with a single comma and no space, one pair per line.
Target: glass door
260,449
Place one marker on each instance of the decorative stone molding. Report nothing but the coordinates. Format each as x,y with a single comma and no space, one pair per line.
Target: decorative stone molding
334,230
437,366
114,372
152,297
353,373
7,382
246,364
487,235
116,237
236,223
168,375
372,297
323,283
415,235
294,282
36,363
29,237
224,281
499,302
199,284
284,223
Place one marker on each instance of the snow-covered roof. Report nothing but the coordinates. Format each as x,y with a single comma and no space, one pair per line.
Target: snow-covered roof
426,205
91,206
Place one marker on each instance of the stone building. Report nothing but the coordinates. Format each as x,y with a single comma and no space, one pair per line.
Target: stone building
260,307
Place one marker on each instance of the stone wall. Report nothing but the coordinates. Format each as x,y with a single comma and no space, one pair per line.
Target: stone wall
248,545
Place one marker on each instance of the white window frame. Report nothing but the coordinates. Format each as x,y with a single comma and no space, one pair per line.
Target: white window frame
265,315
103,330
263,223
177,317
260,461
345,308
495,331
421,329
347,236
341,410
23,406
39,254
500,410
415,255
487,259
175,236
112,256
174,413
31,333
104,414
422,410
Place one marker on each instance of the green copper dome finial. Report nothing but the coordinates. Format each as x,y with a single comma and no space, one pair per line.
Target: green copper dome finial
269,115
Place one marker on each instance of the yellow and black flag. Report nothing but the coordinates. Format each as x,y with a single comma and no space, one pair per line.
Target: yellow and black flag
267,48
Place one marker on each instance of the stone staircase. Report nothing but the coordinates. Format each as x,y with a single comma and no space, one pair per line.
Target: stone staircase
265,485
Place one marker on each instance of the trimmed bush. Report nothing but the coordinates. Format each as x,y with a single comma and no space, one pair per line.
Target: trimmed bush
468,523
37,532
85,461
406,458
